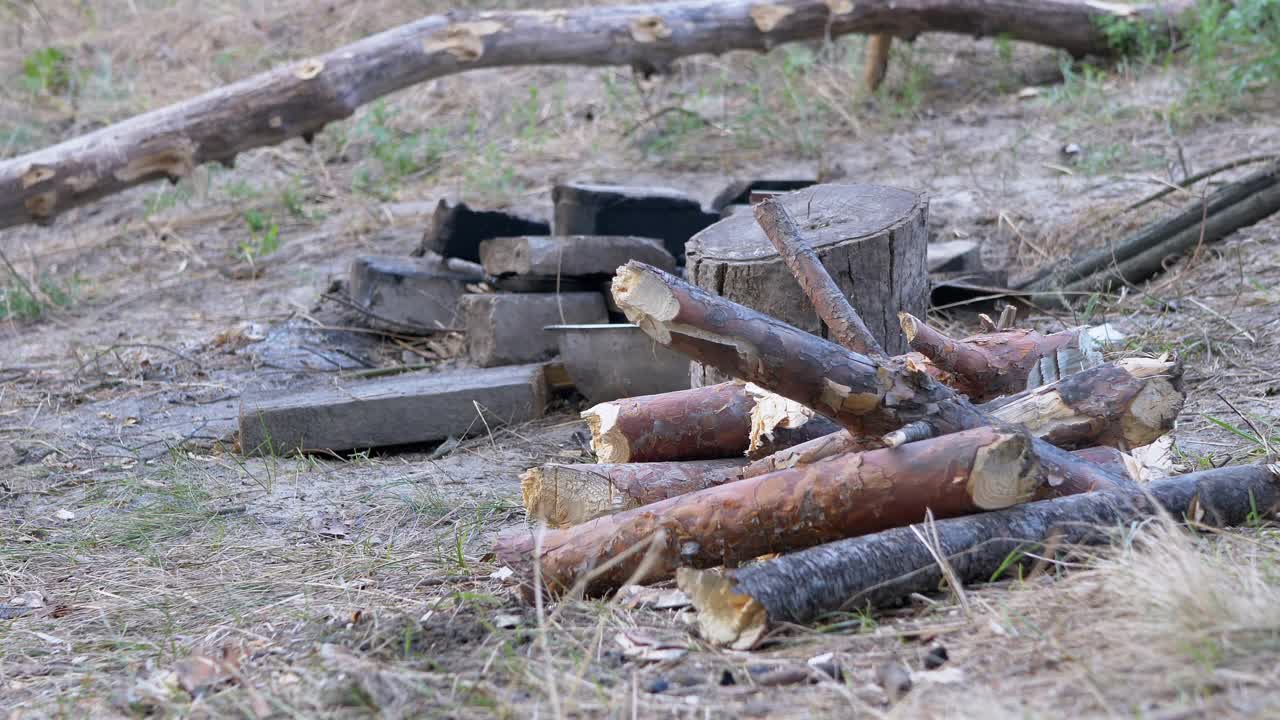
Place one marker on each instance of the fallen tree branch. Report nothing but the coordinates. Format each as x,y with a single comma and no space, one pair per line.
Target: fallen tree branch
833,308
957,474
299,99
868,398
738,607
1225,210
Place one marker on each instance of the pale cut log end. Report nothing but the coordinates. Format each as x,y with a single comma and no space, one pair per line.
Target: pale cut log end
1153,412
726,617
562,499
1141,367
607,439
1005,473
773,412
910,325
645,299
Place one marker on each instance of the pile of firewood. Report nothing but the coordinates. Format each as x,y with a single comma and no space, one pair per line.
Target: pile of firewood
831,453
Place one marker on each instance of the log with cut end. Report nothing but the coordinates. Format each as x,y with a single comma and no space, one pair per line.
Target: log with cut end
737,607
562,495
716,421
298,99
701,423
962,473
987,366
867,397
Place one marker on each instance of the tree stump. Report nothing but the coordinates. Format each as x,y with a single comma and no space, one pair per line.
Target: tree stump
870,238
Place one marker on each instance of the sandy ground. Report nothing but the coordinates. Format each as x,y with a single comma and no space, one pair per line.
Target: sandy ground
147,550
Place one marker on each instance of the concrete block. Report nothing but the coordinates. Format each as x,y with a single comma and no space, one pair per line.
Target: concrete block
506,328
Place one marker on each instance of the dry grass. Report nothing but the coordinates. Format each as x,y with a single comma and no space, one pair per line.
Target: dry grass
362,586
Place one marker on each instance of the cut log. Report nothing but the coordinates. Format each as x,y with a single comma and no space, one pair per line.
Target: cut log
716,421
870,238
844,324
408,294
300,98
563,495
569,255
987,366
868,398
507,328
737,608
456,230
958,474
704,423
408,408
667,215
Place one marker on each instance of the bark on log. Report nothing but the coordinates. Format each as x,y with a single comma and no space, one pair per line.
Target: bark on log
563,495
987,366
866,397
962,473
1227,209
871,239
844,323
736,608
299,99
717,421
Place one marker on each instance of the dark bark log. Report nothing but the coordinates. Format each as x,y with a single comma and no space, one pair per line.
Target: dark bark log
299,99
1225,209
958,474
843,322
563,495
866,397
987,366
737,608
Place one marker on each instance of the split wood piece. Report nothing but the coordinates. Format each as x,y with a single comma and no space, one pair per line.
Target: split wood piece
737,608
987,366
562,495
812,451
843,322
569,255
870,238
1171,232
457,230
959,474
409,294
704,423
409,408
667,215
778,423
507,328
300,98
868,398
876,61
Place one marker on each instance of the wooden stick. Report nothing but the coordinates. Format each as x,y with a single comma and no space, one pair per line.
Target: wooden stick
833,308
868,398
737,608
957,474
876,61
698,424
299,99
